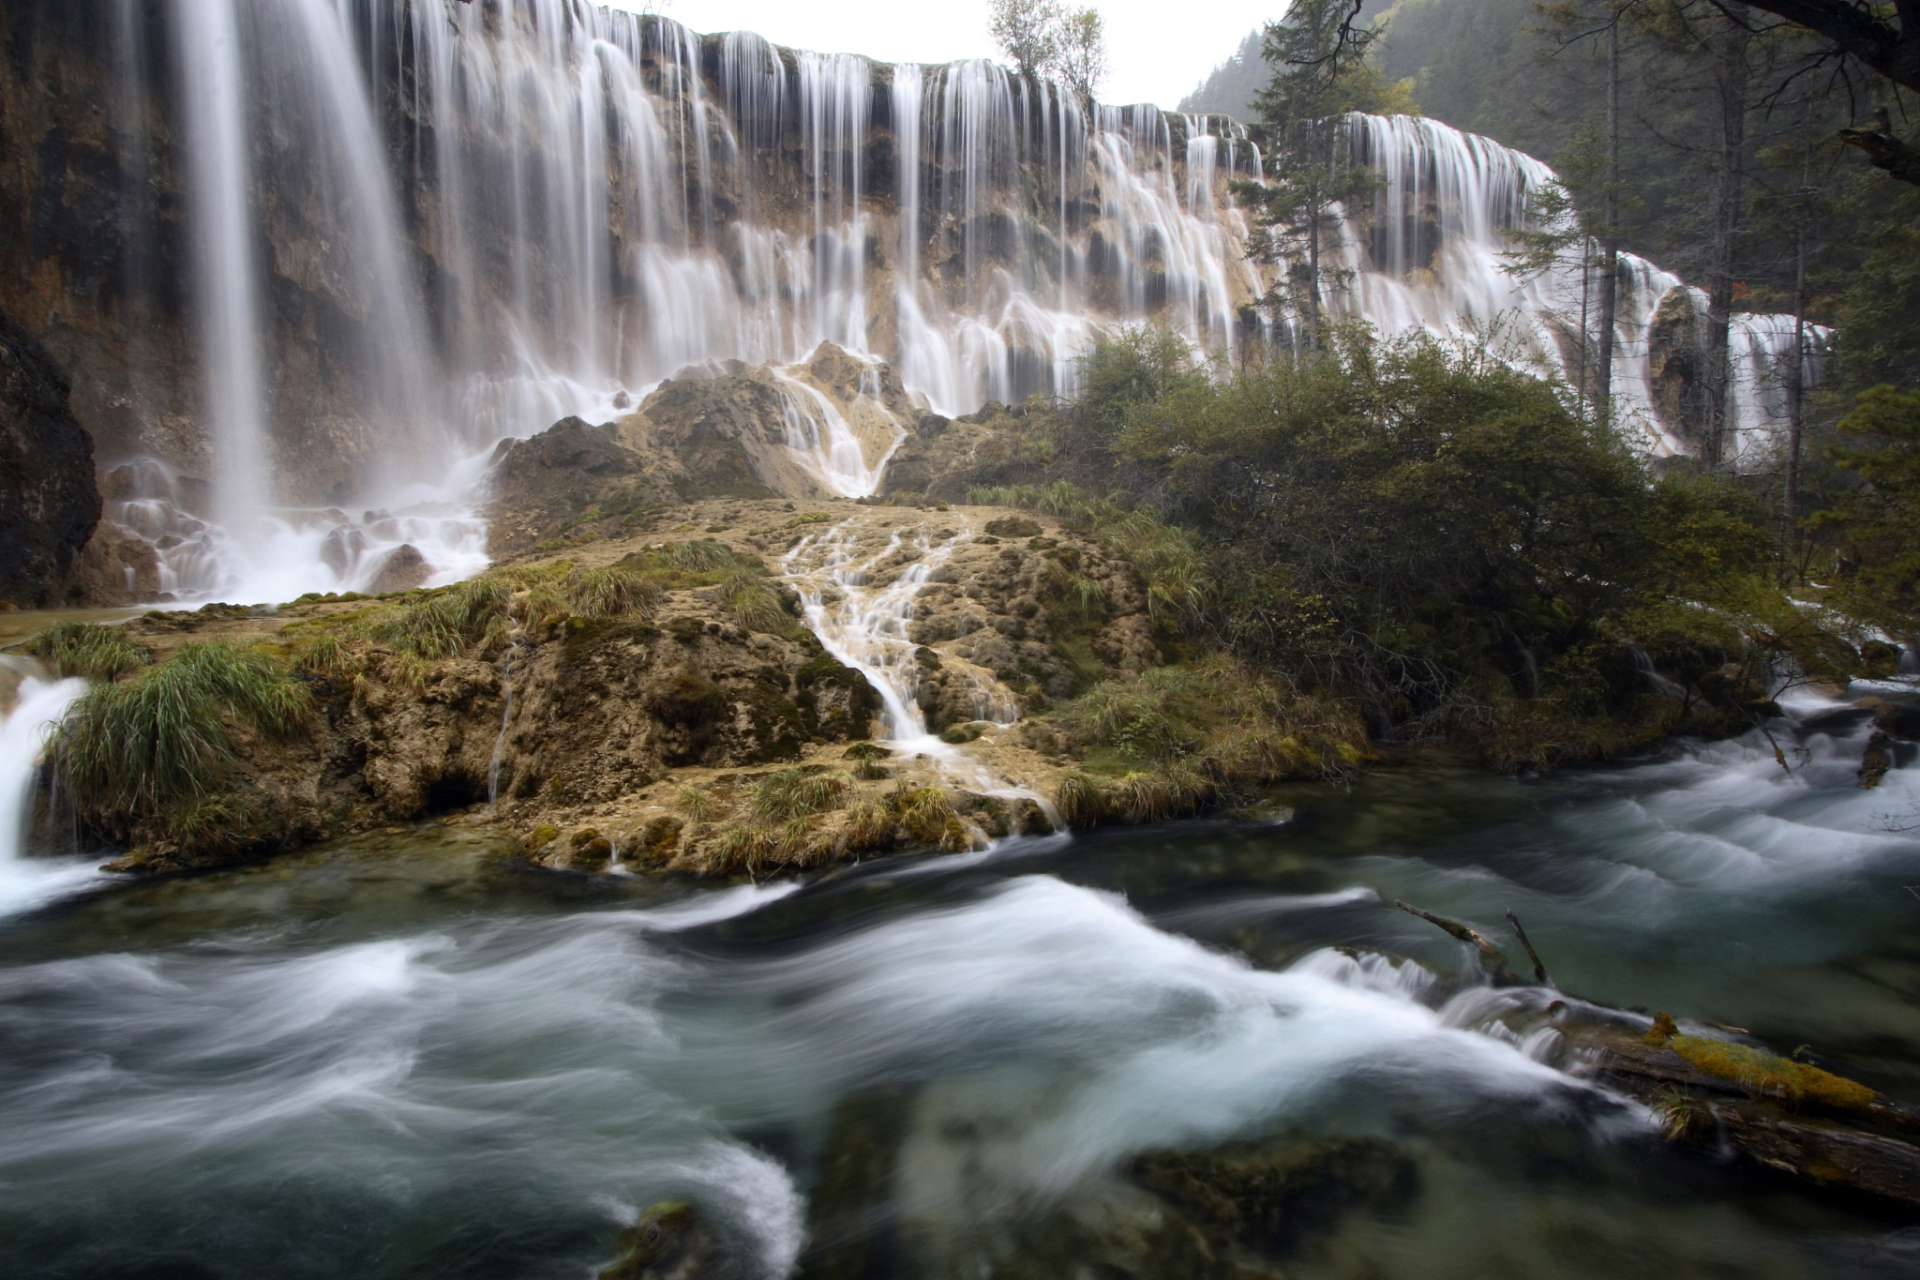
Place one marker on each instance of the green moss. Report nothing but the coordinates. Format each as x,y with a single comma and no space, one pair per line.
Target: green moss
1013,527
1762,1073
542,836
775,724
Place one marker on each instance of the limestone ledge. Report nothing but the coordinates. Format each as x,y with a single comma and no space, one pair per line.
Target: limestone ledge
649,742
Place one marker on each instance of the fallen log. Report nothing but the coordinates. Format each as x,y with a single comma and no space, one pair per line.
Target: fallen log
1788,1116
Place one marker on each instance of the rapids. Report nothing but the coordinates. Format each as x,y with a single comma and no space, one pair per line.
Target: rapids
403,1056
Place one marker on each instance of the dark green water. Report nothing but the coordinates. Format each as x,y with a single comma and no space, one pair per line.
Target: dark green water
404,1056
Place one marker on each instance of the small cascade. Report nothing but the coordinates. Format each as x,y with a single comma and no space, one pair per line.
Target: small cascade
38,705
506,718
827,444
866,624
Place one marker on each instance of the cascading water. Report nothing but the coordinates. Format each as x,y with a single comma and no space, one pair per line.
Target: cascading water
417,228
867,624
1432,253
38,705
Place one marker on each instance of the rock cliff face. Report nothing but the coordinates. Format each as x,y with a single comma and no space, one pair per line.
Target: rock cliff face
49,504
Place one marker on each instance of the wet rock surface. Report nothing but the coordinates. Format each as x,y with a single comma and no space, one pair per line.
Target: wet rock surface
49,503
1240,1211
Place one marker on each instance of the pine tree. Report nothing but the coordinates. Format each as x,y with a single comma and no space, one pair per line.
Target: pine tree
1321,74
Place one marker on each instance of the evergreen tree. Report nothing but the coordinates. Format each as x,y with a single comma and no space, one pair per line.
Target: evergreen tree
1321,74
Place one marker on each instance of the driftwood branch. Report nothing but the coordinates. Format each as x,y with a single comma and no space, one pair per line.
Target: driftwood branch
1492,959
1847,1138
1539,970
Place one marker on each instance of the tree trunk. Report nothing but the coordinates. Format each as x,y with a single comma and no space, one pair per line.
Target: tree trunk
1731,81
1610,232
1796,376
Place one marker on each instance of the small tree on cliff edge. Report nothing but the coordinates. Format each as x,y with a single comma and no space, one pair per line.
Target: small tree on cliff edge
1045,39
1028,31
1320,74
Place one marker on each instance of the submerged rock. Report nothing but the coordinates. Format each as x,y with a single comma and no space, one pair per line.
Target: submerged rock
670,1242
403,569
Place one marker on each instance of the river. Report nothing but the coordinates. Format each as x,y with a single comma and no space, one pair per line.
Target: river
405,1055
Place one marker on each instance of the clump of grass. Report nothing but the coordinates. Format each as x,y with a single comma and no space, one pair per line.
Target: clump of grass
168,733
928,815
702,805
326,653
1079,799
1681,1116
754,601
1762,1073
444,623
1155,797
867,758
792,793
89,649
868,826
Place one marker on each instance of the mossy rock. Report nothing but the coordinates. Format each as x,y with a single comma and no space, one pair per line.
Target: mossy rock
669,1242
836,702
1013,527
583,637
1269,1195
776,727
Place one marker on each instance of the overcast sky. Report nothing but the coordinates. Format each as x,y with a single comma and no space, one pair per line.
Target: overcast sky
1158,50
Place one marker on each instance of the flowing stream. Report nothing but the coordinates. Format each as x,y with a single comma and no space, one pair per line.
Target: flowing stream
401,1056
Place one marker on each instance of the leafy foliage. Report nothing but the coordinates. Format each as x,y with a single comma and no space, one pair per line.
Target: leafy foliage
1878,522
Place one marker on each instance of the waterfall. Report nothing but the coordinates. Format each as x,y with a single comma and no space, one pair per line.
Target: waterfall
415,229
225,280
866,624
38,705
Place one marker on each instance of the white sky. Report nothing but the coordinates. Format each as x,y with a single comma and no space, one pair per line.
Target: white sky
1158,50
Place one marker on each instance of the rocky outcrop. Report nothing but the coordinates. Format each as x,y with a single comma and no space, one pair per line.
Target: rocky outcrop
1677,365
49,503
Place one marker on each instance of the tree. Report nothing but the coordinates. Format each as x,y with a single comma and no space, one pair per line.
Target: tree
1028,31
1082,59
1045,39
1321,74
1880,567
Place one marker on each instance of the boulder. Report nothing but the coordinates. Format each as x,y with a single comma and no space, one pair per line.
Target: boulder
403,569
49,504
1677,364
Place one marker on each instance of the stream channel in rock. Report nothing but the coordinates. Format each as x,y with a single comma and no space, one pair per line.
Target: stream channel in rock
405,1055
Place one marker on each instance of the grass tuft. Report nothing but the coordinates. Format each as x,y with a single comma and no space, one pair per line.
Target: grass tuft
791,793
1079,799
89,649
168,733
